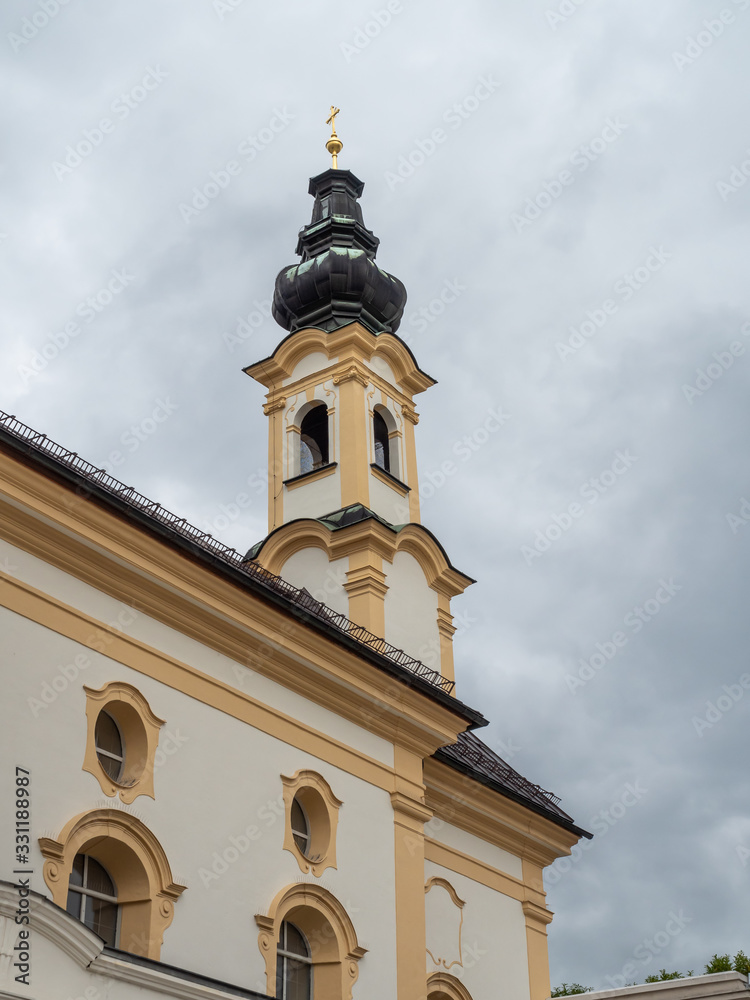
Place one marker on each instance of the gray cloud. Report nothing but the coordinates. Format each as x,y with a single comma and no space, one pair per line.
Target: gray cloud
450,220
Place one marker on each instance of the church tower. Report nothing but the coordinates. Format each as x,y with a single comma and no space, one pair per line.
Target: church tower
343,505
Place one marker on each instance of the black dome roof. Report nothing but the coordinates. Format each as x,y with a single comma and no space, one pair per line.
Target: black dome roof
337,280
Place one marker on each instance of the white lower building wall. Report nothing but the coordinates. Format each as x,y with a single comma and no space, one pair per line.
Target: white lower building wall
493,952
219,778
108,610
473,846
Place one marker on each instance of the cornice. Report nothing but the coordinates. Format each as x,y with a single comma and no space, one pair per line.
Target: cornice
350,342
53,923
458,799
118,558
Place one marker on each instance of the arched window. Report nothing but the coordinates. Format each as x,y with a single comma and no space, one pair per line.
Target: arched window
382,443
92,898
309,945
314,439
293,965
108,870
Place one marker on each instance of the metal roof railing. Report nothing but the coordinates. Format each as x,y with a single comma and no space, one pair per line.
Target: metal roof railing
301,598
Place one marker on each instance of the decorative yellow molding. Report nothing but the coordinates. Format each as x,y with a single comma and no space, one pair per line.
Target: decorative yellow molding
361,375
369,534
310,477
395,484
277,403
139,728
436,880
329,931
321,807
135,859
466,803
354,342
409,817
459,903
129,564
443,986
478,871
410,414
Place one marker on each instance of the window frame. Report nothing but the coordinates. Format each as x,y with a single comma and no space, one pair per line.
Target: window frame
85,893
286,956
107,753
316,419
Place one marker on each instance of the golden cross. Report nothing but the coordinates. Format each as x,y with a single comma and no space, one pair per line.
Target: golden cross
331,120
334,144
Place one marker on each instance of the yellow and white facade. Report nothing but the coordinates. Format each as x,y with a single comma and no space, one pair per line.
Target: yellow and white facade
275,768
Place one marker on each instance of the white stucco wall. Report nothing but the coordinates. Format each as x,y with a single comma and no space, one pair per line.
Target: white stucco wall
474,847
313,499
313,362
325,580
493,937
411,610
104,608
382,368
220,778
387,502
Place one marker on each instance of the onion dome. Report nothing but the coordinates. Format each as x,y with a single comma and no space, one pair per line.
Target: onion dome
337,281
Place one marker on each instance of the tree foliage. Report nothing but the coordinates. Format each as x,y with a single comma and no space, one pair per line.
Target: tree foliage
718,963
725,963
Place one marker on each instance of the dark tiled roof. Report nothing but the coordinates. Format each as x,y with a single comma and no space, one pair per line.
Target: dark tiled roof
473,757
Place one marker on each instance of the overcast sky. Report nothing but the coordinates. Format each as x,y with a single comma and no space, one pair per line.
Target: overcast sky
571,175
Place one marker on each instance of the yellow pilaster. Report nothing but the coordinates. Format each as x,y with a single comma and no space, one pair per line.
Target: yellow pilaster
446,629
366,587
537,918
353,436
274,411
409,816
411,479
